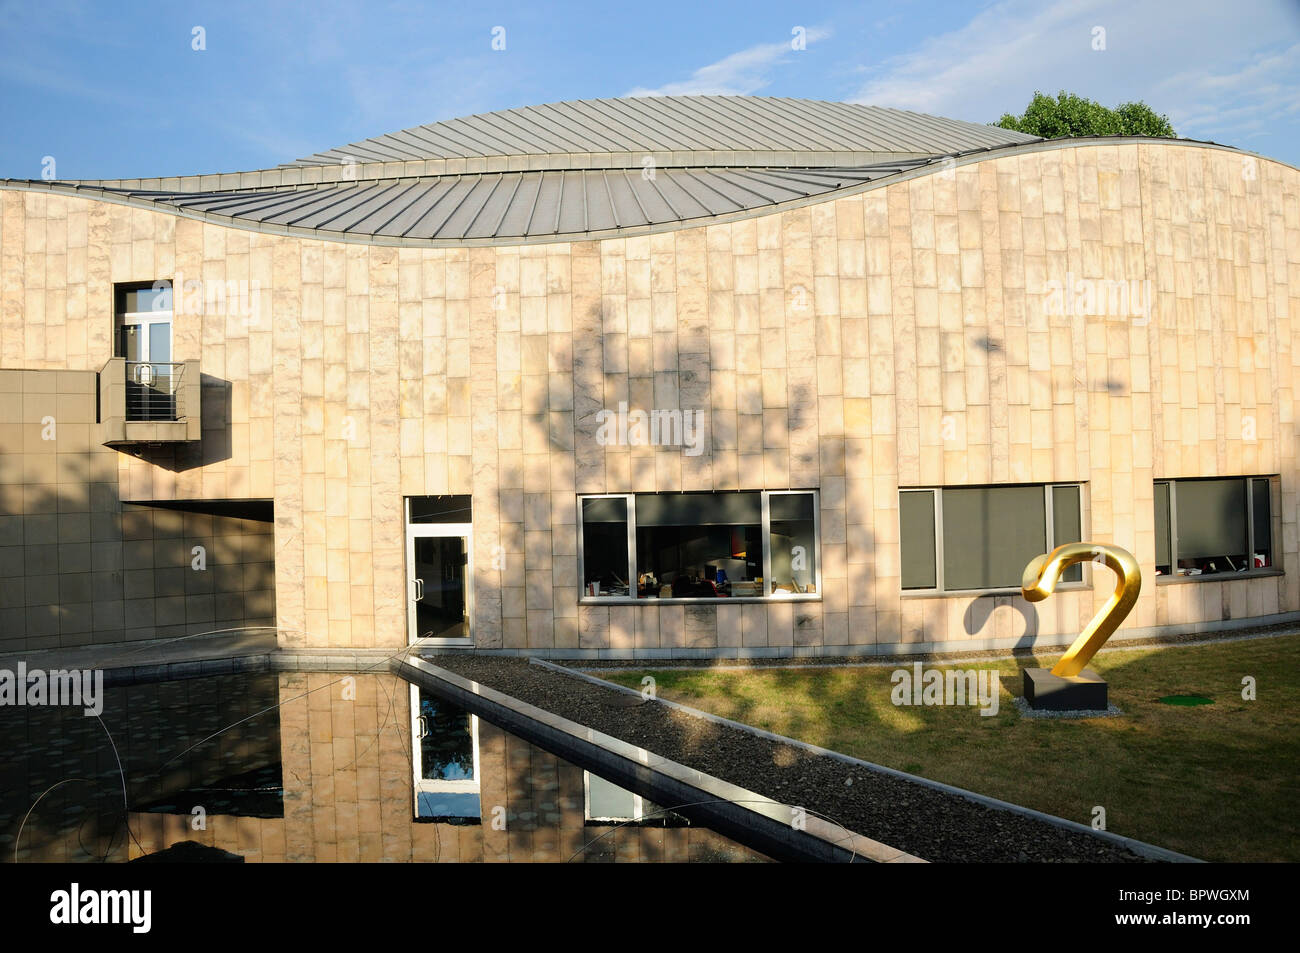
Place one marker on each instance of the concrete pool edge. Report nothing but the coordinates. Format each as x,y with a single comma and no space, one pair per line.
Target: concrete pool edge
1141,848
760,822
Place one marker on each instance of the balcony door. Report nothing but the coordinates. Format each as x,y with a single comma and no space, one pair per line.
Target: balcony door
147,338
144,338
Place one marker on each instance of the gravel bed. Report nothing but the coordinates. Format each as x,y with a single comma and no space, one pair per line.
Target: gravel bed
1022,706
920,820
836,661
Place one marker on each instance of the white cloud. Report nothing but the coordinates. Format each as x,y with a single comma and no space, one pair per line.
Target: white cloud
739,74
1249,99
1225,75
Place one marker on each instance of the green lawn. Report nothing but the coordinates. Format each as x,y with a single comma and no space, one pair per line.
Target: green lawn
1215,781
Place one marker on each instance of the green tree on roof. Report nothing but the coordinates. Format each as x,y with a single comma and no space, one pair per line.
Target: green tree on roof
1071,115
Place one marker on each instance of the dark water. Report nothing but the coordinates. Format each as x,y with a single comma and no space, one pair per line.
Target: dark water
315,768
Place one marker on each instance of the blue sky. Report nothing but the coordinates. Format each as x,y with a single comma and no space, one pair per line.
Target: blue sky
117,89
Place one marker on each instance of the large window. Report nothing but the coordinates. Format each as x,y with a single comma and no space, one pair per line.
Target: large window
1213,527
982,537
751,544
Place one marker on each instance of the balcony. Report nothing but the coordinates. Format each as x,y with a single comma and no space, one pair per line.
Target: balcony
149,402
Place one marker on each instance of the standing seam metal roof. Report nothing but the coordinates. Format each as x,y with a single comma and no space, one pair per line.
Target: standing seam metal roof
537,205
570,170
675,124
518,204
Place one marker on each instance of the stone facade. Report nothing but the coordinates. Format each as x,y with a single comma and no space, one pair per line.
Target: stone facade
896,336
78,566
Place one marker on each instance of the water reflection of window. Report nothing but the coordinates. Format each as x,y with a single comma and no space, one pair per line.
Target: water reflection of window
604,802
445,757
607,802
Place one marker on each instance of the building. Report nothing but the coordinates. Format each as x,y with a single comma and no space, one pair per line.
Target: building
643,377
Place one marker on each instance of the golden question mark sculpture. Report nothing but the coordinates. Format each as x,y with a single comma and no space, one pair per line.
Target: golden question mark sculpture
1043,573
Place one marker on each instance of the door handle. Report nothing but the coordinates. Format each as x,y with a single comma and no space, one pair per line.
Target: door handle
419,590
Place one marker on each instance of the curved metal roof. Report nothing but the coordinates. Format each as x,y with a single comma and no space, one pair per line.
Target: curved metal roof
576,170
515,205
750,126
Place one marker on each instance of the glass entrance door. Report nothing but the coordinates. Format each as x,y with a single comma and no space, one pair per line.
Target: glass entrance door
439,574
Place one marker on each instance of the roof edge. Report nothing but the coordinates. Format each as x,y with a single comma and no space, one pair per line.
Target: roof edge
937,165
286,175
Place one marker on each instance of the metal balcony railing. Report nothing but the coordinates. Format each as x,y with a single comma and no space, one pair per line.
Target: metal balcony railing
153,391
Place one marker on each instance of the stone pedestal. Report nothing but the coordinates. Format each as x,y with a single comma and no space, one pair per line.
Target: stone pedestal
1086,691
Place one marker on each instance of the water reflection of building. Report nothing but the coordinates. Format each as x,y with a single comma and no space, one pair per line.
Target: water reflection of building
347,753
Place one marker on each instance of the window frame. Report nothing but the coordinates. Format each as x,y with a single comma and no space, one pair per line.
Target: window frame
765,529
144,320
1176,578
1049,526
766,510
629,500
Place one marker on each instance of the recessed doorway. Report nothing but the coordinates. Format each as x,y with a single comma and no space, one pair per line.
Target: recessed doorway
439,570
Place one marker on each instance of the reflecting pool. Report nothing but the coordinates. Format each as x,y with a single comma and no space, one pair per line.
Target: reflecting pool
314,767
